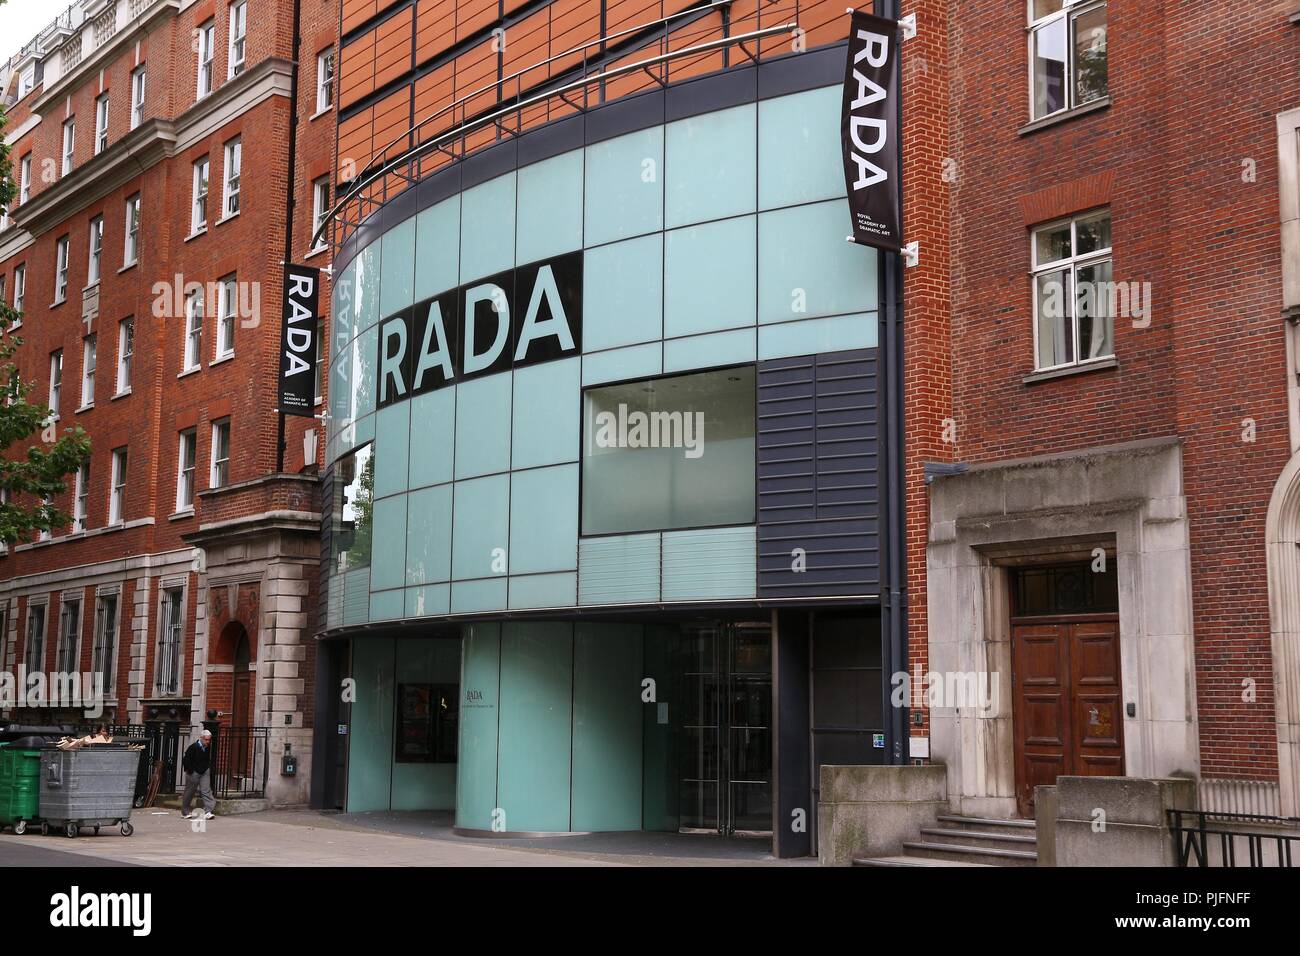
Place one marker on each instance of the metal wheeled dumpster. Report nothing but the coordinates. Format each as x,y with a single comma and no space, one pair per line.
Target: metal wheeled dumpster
91,786
20,771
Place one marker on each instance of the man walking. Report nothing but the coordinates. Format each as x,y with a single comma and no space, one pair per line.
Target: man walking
197,764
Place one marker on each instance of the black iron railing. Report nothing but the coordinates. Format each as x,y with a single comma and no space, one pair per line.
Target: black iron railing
1217,838
241,759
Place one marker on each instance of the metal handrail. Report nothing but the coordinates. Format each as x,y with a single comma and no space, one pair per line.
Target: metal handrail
497,84
421,149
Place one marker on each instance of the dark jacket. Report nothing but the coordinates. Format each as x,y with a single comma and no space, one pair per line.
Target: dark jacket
197,758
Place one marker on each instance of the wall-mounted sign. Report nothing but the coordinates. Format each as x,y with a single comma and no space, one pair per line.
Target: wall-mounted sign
869,132
297,392
530,314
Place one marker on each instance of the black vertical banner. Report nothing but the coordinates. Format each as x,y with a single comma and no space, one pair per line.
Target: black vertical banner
298,340
869,132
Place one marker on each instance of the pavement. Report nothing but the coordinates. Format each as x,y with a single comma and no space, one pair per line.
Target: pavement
310,838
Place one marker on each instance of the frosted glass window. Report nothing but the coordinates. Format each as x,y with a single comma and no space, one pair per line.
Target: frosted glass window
675,452
387,563
437,249
487,228
550,208
622,293
397,259
433,416
547,405
625,186
799,158
483,425
365,307
709,166
341,313
709,281
806,269
480,528
393,439
428,544
544,520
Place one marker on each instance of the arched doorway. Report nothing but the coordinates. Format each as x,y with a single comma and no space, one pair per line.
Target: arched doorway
1282,534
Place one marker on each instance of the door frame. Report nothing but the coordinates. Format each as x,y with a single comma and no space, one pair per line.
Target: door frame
1018,740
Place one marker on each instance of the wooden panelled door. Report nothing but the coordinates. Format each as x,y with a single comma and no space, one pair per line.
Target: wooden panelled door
1068,714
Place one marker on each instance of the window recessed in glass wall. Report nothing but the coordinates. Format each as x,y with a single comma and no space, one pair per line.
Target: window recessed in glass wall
673,452
354,493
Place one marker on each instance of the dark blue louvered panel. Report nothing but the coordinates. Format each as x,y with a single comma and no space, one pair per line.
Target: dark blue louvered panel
817,471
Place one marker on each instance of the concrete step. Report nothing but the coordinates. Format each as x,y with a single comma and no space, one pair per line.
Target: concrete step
224,808
1009,840
986,824
912,861
971,854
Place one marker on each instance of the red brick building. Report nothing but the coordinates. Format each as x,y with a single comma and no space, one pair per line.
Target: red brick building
1111,399
170,156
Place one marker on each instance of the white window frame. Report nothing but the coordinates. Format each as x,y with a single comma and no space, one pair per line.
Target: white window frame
131,232
67,650
324,80
237,46
95,253
20,292
138,86
230,170
103,652
199,200
117,487
125,351
89,349
35,635
69,144
171,631
101,123
56,381
25,179
227,292
219,467
320,207
61,249
1073,263
318,388
193,331
45,534
206,42
187,454
81,498
1070,10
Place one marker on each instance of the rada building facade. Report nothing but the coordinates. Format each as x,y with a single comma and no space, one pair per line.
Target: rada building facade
601,500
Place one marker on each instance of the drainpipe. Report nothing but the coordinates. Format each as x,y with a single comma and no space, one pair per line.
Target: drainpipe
892,477
289,196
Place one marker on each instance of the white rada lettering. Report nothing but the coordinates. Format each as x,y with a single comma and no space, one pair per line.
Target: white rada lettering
875,51
469,331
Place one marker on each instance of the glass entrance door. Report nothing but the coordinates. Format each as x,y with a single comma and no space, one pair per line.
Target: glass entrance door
726,758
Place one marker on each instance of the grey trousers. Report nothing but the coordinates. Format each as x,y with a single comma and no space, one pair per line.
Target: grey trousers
202,782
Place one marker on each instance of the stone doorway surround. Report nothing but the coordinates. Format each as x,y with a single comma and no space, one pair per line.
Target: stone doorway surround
1124,499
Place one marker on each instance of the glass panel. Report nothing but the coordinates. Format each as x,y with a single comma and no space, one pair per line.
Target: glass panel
428,543
1093,291
624,186
669,453
1049,68
437,249
544,519
1090,67
1043,7
547,408
1066,589
397,258
805,268
549,215
483,425
1092,234
1052,244
480,527
622,293
487,228
1055,341
799,158
709,277
710,169
388,564
354,479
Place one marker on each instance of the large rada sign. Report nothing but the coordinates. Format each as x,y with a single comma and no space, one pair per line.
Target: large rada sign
531,314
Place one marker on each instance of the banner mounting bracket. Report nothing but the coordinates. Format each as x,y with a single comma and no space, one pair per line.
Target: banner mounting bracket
906,26
911,254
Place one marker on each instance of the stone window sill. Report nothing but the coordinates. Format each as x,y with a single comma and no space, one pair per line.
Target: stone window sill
1065,116
1097,365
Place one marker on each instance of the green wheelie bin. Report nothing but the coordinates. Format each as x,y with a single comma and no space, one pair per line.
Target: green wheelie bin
20,786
